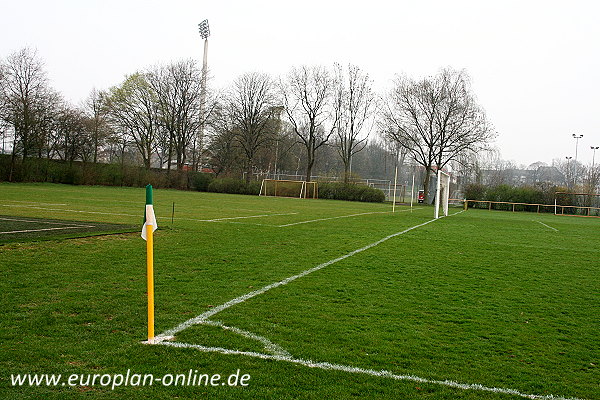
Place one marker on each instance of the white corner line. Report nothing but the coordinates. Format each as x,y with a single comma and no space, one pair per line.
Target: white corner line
377,373
547,226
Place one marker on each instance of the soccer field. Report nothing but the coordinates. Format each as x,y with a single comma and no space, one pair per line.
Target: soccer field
312,299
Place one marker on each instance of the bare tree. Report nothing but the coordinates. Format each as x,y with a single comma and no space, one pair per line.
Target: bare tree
70,133
309,99
355,101
178,92
26,101
436,119
251,108
95,108
134,111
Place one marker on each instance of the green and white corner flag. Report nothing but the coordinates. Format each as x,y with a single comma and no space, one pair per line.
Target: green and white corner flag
149,217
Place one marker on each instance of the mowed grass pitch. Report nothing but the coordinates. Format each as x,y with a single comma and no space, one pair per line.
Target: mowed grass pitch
23,229
492,298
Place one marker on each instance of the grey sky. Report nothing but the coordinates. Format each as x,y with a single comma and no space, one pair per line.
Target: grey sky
535,65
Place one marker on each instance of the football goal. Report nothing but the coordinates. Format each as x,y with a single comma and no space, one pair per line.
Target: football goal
580,204
442,193
288,188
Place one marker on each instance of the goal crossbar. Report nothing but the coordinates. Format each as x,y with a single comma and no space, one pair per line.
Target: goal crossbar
289,188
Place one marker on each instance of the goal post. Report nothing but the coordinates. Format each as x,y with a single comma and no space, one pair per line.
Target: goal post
289,188
442,193
580,204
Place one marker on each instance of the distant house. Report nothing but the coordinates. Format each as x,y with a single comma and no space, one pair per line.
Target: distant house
520,177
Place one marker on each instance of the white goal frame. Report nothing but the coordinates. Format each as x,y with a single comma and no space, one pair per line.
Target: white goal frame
303,188
442,193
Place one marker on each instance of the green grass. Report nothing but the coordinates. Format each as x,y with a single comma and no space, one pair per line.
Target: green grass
20,229
490,298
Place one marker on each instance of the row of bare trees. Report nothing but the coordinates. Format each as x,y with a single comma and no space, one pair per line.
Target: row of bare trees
310,108
261,123
42,123
436,120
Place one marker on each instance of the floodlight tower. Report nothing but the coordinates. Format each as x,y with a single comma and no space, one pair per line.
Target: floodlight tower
204,30
576,137
569,171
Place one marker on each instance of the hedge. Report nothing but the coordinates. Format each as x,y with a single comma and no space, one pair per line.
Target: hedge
234,186
350,192
80,173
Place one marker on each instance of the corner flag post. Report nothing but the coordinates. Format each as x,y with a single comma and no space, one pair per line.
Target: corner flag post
148,235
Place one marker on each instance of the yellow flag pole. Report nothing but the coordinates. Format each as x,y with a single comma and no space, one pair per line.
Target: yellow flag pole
150,274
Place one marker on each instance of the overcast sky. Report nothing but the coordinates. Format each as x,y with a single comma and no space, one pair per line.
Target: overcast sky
535,65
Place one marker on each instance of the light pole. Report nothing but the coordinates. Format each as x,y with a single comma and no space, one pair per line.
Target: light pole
276,151
569,171
594,148
576,137
204,30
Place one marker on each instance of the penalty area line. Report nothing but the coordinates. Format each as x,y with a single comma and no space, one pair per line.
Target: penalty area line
243,217
547,226
371,372
341,216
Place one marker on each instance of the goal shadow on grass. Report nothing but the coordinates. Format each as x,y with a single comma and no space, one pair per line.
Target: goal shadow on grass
14,229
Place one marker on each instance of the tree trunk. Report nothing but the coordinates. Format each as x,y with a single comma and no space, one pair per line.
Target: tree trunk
346,172
426,184
170,153
248,173
96,145
309,164
13,160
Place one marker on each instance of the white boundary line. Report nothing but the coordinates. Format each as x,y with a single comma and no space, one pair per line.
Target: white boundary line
37,202
49,229
40,221
280,354
137,216
341,216
325,219
547,226
230,218
271,347
380,373
68,210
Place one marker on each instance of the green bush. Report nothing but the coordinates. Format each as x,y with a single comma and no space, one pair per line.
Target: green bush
475,191
200,181
234,186
541,194
350,192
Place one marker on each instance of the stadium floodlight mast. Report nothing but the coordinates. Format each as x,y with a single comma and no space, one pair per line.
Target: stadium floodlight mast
576,137
569,169
204,30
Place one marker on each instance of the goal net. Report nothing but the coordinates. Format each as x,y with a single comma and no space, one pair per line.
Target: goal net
581,204
288,188
442,193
